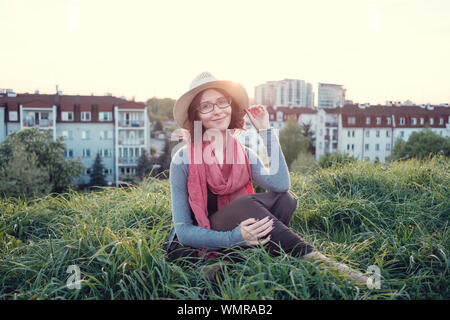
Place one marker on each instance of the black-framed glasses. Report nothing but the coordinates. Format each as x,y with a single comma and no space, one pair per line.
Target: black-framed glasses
207,107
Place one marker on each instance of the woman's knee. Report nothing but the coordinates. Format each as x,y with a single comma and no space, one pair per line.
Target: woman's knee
289,198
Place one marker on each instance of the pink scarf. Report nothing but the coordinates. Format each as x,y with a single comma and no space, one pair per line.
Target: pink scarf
231,182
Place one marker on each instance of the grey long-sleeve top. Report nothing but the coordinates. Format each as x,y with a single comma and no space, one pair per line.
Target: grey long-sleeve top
275,179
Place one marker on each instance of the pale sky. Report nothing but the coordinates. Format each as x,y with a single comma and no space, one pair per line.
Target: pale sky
379,50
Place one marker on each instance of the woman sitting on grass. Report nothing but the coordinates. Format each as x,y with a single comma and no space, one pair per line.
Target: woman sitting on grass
214,205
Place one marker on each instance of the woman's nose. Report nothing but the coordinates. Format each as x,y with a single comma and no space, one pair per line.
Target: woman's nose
217,110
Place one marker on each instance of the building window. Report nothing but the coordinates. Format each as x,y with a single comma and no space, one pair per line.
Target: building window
414,121
366,147
353,133
13,116
85,116
402,120
378,133
68,153
67,116
348,133
106,153
402,134
431,121
348,147
388,119
367,134
378,120
388,146
388,133
377,147
353,146
86,153
105,116
85,135
351,120
441,121
367,120
422,121
67,134
106,135
440,132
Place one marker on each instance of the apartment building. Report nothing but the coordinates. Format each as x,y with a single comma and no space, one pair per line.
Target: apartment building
115,128
287,92
330,95
369,132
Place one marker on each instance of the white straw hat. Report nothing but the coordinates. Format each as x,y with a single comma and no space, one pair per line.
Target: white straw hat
206,80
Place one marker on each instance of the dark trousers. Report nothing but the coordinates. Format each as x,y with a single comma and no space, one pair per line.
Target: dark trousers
279,206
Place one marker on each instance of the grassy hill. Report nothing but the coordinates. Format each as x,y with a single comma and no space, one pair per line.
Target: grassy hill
393,216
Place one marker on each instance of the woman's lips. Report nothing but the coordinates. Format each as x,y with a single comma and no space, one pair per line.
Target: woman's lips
220,119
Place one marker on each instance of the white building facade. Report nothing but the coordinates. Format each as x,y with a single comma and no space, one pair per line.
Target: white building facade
369,132
115,128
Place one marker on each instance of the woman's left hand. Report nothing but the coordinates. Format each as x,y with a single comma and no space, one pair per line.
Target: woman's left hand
259,116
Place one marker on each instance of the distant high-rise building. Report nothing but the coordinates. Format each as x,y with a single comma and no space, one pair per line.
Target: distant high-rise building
285,93
331,95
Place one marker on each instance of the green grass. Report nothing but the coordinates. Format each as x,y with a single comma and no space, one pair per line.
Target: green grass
394,216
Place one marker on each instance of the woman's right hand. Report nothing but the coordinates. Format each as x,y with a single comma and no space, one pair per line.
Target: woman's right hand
253,231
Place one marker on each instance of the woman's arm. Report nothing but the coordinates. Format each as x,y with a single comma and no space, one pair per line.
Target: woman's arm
276,178
187,233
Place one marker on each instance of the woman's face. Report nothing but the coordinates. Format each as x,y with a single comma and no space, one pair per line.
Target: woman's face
218,118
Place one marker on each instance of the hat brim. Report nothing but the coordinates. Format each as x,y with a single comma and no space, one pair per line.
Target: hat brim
234,89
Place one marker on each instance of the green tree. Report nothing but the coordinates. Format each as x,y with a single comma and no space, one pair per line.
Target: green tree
97,172
161,109
292,140
308,133
22,177
158,126
144,167
305,163
420,145
166,156
49,153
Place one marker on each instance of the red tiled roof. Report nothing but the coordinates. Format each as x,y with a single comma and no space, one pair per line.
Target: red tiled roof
37,104
104,102
132,105
68,102
392,112
387,110
293,110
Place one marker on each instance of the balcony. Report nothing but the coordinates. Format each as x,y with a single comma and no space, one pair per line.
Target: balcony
131,124
128,178
331,124
131,142
128,160
42,124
